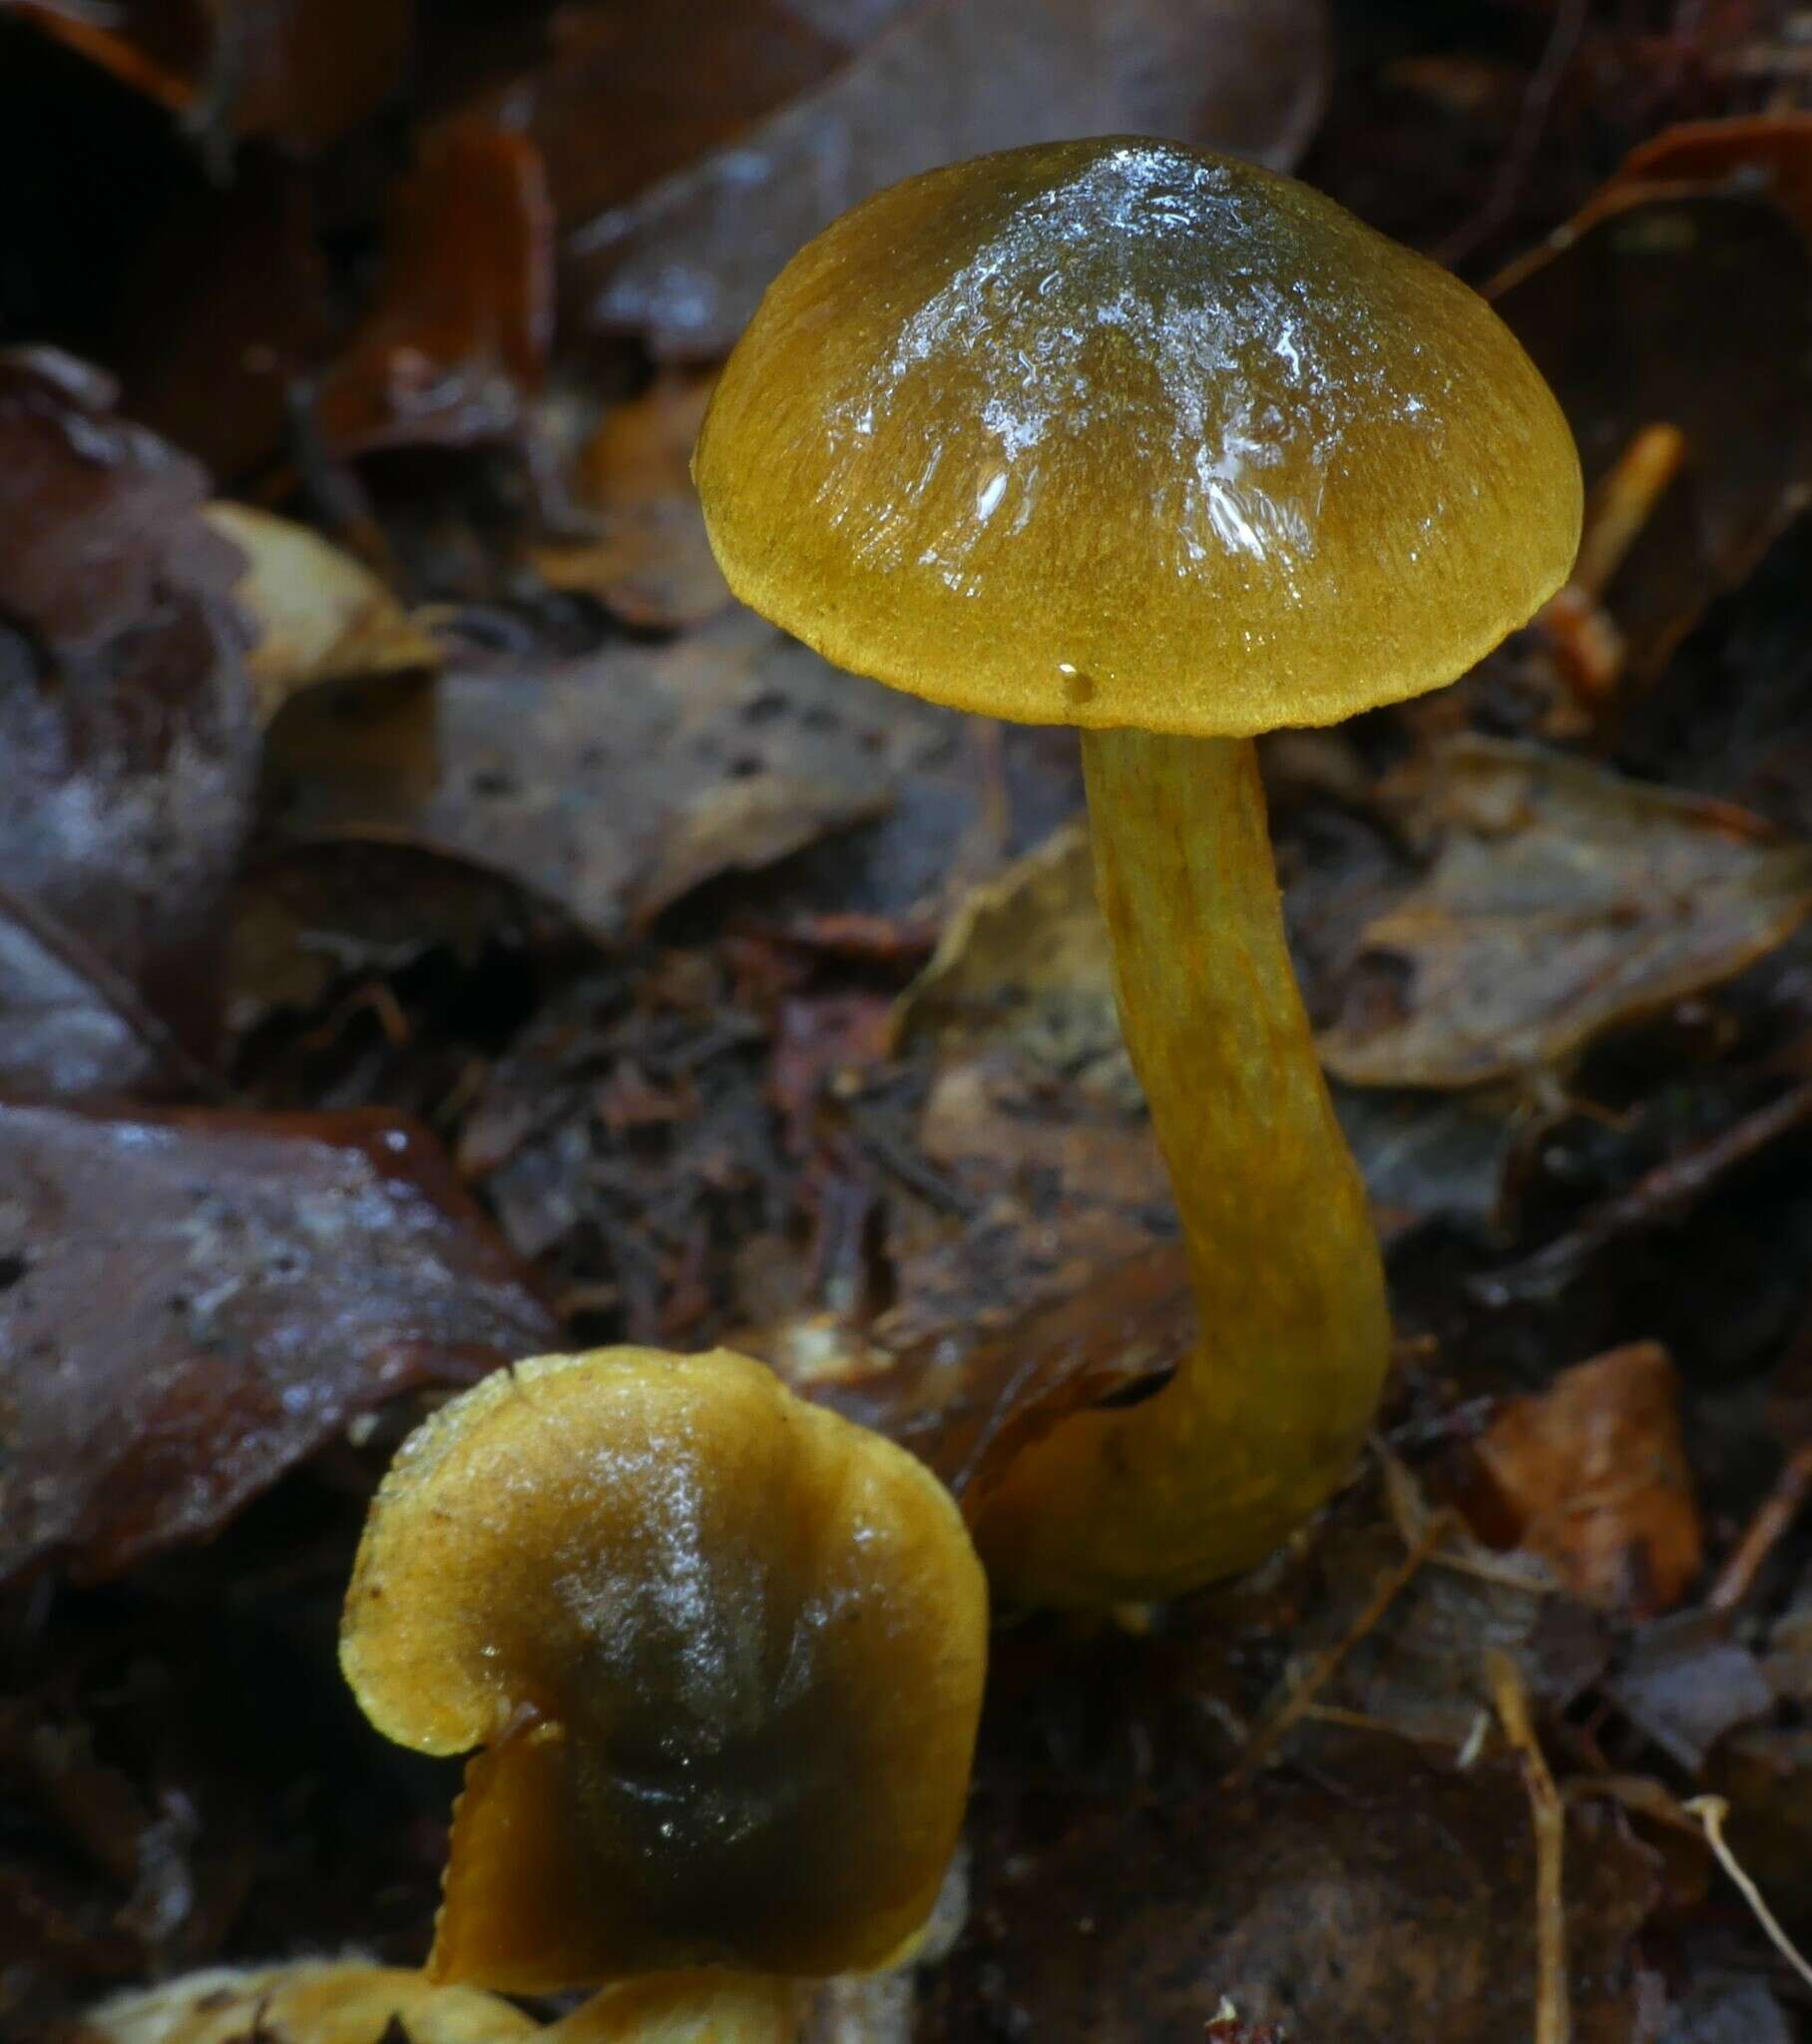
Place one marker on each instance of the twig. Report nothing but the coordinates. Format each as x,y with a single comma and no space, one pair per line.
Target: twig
1711,1812
1778,1511
1548,1813
1286,1708
1588,646
1538,102
1666,1194
1639,1793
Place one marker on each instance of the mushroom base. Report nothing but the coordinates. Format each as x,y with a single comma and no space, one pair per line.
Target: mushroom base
1264,1420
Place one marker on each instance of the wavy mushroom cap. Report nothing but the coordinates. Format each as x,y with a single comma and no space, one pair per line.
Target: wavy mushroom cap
1119,432
723,1651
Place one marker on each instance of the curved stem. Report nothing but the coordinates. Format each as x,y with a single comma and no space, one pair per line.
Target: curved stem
1264,1418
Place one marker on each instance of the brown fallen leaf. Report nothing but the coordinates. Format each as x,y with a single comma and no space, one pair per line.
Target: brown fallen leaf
651,561
1024,955
192,1302
69,1025
683,264
967,1400
634,90
1770,152
126,717
222,386
1629,312
611,786
304,917
457,340
316,614
300,75
1334,1905
1684,1683
1563,902
1415,1671
1592,1476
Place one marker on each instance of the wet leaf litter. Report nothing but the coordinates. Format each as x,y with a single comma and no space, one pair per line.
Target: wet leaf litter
436,925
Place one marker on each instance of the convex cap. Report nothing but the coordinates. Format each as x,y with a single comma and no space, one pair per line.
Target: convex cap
1119,432
724,1651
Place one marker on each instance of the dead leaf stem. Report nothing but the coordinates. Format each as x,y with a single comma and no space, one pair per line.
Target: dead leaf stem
1548,1813
1711,1812
1777,1512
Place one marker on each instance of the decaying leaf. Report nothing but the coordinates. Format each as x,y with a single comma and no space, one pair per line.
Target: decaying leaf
222,385
317,615
192,1302
1593,1476
612,785
651,561
968,1399
1333,1910
684,264
1630,312
69,1024
1419,1671
1563,902
1684,1681
1024,955
634,90
298,74
307,916
457,341
126,719
1429,1156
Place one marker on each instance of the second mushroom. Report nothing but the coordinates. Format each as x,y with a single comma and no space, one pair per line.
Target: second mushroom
1129,436
723,1655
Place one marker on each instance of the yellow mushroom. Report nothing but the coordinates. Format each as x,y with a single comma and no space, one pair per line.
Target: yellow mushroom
1127,435
723,1655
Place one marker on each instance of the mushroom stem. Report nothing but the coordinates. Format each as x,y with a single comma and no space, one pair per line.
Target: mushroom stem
1265,1417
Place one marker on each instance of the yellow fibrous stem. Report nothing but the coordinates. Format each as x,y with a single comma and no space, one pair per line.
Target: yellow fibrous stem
1263,1420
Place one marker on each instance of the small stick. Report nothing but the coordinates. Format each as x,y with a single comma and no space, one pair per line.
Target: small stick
1286,1710
1570,24
1623,503
1778,1511
1666,1193
1711,1812
1586,643
1553,2010
1639,1793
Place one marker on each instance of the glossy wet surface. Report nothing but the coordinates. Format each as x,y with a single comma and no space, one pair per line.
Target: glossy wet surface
1118,431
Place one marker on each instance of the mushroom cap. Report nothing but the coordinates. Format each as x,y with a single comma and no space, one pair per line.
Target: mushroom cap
724,1651
1120,432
